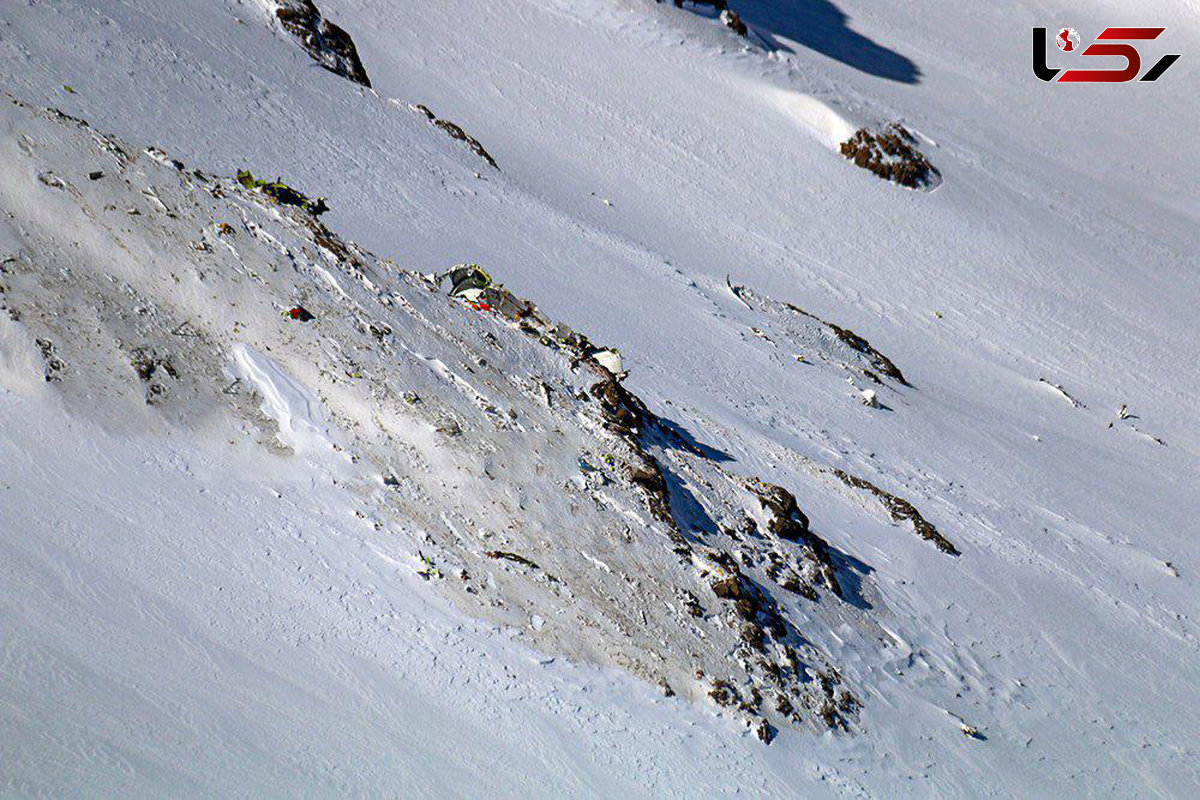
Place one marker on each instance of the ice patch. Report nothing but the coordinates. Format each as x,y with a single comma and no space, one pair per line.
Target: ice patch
303,422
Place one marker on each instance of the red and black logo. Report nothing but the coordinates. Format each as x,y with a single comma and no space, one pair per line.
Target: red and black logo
1112,42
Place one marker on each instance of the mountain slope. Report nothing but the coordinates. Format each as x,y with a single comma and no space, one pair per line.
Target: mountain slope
643,156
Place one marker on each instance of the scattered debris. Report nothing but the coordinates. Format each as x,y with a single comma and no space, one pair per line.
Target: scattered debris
150,366
428,568
282,193
299,313
466,281
702,529
449,428
969,730
720,5
51,180
147,363
611,360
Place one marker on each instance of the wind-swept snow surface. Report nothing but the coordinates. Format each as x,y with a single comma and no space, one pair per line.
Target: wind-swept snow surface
422,546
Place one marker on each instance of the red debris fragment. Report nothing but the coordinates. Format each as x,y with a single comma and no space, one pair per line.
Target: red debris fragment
301,313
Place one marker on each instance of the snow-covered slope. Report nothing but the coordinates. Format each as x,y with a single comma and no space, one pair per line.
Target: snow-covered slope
213,585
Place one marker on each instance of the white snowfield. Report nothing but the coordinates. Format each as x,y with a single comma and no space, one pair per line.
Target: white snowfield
247,555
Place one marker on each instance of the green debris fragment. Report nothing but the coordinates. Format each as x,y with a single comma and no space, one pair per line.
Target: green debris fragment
468,277
429,569
282,193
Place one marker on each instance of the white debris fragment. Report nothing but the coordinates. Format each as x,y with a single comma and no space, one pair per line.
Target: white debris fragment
611,361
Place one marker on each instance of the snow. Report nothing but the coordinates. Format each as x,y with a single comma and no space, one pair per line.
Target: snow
303,424
186,620
188,608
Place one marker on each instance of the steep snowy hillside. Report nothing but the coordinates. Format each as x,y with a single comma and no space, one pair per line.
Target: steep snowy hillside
902,483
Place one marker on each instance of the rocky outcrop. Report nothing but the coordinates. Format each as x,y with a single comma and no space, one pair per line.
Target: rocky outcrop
484,440
328,44
456,132
875,362
789,523
892,155
901,511
731,20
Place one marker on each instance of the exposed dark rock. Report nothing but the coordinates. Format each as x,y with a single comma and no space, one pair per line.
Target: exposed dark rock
901,510
624,413
147,363
456,132
754,638
52,363
517,559
650,480
731,20
891,155
328,44
720,5
723,694
882,362
753,701
789,523
728,588
879,361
